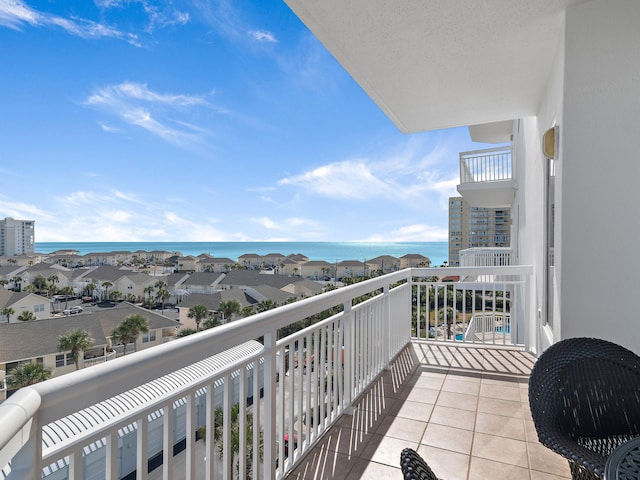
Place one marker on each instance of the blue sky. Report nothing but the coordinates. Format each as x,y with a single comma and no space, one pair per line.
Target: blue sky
203,121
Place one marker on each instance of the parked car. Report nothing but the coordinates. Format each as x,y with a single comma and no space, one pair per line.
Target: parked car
72,310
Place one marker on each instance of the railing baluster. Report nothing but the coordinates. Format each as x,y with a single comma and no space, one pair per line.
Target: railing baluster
142,442
167,441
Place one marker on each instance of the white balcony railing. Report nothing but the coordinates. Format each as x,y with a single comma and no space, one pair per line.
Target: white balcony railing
489,165
485,257
238,385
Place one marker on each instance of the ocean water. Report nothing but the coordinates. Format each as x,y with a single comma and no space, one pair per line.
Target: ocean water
437,252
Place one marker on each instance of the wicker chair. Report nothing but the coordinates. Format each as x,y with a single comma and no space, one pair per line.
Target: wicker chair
414,467
584,395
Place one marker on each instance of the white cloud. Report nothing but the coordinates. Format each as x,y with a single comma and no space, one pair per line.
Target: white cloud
411,233
347,180
15,13
263,36
158,113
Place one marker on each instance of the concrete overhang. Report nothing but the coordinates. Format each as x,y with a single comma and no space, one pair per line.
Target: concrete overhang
432,64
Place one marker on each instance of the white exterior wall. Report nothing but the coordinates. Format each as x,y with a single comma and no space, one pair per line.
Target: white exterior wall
600,142
529,210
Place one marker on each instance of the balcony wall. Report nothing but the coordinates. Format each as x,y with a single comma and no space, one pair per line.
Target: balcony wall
250,383
487,177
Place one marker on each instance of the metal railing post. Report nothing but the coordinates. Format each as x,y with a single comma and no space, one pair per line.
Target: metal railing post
386,322
349,357
270,439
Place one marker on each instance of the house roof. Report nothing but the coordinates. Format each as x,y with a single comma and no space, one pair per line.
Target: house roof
201,278
250,278
37,338
9,297
212,301
433,65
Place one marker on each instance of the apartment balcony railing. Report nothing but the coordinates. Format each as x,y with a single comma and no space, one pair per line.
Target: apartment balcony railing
266,400
487,177
485,257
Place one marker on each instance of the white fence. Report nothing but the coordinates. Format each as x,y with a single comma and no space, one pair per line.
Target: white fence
176,402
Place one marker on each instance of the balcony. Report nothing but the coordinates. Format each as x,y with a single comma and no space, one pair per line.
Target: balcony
401,359
487,178
485,257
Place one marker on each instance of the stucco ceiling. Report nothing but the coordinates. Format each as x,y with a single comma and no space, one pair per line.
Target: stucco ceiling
432,64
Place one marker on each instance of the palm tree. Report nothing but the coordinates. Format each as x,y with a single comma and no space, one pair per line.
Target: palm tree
218,435
265,305
163,295
106,286
129,330
89,288
198,313
4,282
17,280
76,341
67,292
27,374
148,290
7,312
52,279
26,316
39,283
115,295
229,308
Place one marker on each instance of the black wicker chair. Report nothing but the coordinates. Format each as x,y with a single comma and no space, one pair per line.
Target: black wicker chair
414,467
584,395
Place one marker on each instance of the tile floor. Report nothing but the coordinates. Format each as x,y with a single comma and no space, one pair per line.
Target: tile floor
463,408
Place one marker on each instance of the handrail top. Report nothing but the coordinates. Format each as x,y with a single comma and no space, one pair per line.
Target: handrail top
506,148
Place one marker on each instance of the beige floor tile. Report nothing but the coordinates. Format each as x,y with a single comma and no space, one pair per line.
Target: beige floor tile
500,449
421,395
402,428
445,463
453,417
504,391
545,460
414,410
363,470
345,441
497,406
448,438
500,426
456,385
458,400
386,450
483,469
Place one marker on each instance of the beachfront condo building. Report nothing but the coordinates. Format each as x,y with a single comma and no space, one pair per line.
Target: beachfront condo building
376,368
476,227
16,237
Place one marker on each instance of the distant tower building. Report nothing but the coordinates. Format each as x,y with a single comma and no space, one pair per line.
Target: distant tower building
16,237
476,227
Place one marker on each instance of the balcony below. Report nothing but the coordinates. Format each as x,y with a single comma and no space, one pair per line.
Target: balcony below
487,178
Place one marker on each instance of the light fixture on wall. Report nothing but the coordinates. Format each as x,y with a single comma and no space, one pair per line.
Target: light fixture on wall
550,142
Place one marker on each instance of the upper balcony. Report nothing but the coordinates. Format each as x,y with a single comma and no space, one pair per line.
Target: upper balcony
268,396
487,178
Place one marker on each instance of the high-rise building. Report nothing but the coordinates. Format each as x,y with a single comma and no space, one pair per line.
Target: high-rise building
476,227
17,236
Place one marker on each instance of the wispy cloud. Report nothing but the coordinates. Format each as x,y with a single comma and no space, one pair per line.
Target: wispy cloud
158,113
262,36
399,177
16,14
348,180
411,233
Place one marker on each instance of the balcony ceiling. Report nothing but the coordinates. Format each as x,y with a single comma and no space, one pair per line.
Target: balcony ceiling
432,64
